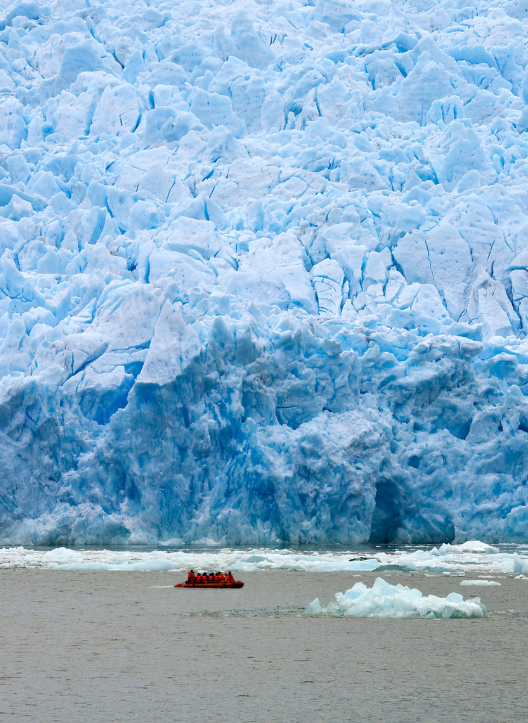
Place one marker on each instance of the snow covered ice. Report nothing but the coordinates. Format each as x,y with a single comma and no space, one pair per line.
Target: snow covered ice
263,272
396,601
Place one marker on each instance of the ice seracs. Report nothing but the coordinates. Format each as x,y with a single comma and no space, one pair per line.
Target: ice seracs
263,272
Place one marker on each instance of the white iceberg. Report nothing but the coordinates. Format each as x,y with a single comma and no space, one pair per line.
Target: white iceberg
475,546
383,600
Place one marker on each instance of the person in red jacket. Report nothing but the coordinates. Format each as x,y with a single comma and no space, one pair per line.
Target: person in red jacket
221,577
216,577
199,578
230,577
190,578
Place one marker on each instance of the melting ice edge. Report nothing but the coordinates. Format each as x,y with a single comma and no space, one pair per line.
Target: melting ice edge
263,272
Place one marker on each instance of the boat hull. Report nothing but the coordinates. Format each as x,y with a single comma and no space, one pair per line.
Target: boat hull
203,585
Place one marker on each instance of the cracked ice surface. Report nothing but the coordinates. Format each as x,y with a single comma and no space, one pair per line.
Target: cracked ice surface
263,272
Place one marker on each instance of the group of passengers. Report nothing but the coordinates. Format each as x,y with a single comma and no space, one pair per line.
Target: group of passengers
204,577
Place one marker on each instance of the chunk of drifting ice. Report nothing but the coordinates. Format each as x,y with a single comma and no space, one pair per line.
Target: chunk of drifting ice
314,608
62,554
475,546
397,601
142,566
482,583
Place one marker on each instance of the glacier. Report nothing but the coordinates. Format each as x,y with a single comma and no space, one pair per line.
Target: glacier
263,271
384,600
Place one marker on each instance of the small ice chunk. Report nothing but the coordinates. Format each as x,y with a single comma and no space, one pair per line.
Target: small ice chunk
475,546
314,608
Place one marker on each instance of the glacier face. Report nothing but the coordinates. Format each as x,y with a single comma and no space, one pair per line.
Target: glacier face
263,271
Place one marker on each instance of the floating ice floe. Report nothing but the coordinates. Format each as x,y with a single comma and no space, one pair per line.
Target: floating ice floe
449,562
473,556
481,583
471,546
396,601
236,560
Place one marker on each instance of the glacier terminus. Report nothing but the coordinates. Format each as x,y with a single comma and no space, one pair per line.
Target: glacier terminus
263,271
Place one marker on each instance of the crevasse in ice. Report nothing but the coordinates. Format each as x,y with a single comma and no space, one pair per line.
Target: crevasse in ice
263,271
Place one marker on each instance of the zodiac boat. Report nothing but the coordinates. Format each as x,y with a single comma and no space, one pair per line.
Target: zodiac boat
200,585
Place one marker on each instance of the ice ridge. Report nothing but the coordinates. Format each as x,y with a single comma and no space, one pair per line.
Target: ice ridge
263,272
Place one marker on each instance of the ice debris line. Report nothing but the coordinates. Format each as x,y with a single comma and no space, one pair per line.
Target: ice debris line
263,272
456,560
383,600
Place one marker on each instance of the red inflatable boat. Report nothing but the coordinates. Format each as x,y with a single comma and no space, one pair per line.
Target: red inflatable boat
198,585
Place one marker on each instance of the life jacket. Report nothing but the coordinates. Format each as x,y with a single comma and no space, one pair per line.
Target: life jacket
198,578
221,577
216,578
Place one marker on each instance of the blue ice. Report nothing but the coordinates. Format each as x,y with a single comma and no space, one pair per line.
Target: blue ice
263,272
384,600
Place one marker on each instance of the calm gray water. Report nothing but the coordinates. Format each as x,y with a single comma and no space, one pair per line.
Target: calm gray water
112,646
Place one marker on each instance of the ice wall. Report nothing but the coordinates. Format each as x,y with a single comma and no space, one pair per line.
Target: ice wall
264,271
